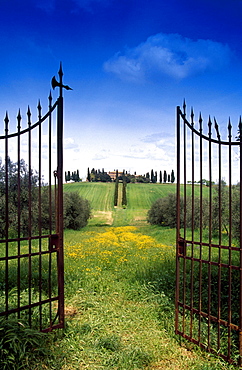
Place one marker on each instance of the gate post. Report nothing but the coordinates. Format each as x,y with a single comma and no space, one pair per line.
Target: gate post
178,221
60,254
240,296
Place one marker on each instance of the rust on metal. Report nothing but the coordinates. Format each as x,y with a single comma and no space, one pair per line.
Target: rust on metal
208,262
31,253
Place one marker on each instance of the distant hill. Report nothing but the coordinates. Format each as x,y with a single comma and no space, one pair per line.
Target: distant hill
139,200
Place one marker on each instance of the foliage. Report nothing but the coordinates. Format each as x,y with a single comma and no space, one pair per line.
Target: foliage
74,176
163,211
98,176
19,344
21,181
124,195
172,177
236,204
116,191
142,179
77,211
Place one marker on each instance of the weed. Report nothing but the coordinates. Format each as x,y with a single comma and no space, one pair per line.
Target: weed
111,343
19,345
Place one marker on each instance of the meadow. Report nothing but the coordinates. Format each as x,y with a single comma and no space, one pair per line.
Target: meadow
119,288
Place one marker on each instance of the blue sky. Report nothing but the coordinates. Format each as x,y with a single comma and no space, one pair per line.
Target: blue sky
130,63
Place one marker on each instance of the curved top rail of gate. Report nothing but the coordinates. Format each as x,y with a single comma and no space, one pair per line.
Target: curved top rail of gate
209,236
199,131
31,126
31,216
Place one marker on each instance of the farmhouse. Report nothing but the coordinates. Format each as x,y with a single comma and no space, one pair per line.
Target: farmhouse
112,174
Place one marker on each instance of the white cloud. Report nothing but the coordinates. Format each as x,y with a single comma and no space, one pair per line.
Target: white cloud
169,54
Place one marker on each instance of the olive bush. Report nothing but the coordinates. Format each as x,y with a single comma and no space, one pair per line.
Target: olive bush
77,211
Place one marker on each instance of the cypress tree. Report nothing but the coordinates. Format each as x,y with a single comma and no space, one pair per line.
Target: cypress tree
124,195
172,177
165,176
152,176
160,177
116,190
88,175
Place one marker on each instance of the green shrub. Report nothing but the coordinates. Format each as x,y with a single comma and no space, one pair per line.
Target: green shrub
77,211
163,211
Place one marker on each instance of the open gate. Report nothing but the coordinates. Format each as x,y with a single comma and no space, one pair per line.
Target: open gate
209,236
31,218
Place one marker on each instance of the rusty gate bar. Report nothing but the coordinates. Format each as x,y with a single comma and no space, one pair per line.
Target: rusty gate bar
240,296
208,299
31,242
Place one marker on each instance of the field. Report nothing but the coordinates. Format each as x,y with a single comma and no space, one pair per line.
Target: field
139,196
119,283
101,197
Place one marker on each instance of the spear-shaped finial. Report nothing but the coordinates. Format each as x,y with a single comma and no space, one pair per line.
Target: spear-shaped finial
230,129
200,122
209,127
192,116
216,128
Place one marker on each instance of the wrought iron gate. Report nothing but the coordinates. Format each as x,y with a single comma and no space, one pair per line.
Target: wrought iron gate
209,236
31,216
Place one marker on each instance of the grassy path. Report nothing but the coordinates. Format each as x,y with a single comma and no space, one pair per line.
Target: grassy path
119,285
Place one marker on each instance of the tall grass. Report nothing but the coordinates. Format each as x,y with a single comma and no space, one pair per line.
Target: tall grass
119,285
119,289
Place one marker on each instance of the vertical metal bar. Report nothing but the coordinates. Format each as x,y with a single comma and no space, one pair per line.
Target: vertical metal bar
230,245
185,168
185,214
178,226
6,210
240,302
220,194
201,228
210,230
50,159
50,206
192,225
60,254
30,215
19,211
40,215
220,242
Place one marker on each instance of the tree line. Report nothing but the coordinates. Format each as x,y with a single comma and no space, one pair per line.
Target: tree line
72,176
124,191
163,211
149,177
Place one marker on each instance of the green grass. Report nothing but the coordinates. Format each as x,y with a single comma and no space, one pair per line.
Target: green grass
101,197
119,285
99,194
140,197
119,289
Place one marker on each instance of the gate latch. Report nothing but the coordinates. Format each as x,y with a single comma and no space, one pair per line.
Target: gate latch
53,242
182,247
